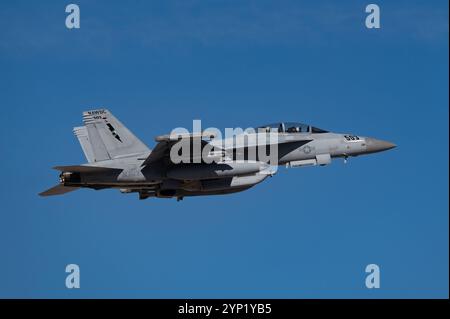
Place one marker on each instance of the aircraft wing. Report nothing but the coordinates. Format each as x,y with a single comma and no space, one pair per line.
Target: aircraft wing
165,143
159,152
58,190
176,137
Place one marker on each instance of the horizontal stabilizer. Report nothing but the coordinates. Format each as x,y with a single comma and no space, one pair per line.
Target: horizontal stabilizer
58,190
86,169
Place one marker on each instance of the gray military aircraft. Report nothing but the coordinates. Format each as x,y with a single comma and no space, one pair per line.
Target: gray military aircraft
118,159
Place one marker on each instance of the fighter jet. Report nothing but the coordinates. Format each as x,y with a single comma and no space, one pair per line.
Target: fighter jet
118,159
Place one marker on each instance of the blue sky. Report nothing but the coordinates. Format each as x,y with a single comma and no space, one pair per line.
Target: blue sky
157,65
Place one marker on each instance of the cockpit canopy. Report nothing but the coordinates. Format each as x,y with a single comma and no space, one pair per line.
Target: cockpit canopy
290,127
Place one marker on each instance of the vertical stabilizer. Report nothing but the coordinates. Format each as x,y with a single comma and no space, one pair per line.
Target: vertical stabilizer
82,136
107,134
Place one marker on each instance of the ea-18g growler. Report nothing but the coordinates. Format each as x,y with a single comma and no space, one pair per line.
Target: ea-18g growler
118,159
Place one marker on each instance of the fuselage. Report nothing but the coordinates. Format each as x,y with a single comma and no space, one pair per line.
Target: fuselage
230,174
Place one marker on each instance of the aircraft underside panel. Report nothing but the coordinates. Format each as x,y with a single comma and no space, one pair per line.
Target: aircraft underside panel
176,188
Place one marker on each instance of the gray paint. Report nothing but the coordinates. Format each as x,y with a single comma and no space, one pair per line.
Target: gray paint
118,159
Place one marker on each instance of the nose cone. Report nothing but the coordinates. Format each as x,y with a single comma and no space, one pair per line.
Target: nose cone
374,145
